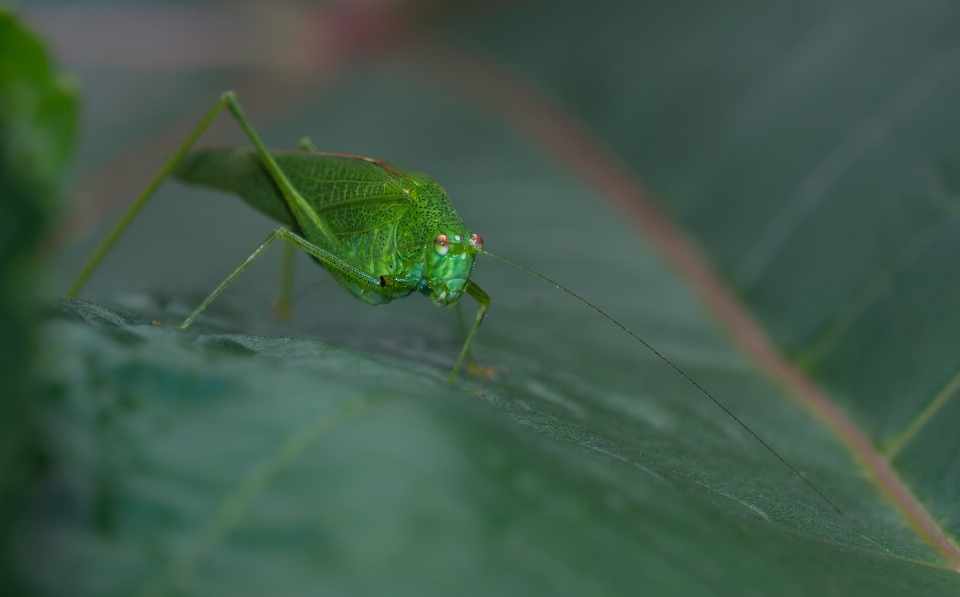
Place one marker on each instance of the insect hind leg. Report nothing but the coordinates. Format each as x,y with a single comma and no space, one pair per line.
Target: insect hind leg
283,308
230,102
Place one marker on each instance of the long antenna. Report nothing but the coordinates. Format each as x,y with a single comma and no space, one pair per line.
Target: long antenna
675,368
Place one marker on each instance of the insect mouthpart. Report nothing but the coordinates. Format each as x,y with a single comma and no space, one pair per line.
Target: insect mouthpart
447,292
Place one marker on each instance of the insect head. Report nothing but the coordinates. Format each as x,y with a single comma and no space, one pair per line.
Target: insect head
449,265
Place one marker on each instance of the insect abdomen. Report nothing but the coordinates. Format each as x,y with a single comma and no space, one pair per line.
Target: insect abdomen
241,172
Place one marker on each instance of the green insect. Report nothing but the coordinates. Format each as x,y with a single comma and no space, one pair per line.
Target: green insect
381,231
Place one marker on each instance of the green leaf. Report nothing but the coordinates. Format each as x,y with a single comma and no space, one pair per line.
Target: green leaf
326,455
38,115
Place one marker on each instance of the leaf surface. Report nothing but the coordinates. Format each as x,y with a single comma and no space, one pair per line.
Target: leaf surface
811,150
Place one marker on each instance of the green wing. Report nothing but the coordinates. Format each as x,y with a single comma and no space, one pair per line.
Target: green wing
353,195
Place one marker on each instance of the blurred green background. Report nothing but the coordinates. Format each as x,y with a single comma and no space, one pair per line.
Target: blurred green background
808,150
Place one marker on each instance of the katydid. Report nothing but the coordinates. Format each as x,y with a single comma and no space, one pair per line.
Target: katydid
381,231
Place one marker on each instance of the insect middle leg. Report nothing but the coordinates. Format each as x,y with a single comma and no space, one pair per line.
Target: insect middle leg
283,308
329,260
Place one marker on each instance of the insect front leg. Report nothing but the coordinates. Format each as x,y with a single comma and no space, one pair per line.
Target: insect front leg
484,299
331,261
472,367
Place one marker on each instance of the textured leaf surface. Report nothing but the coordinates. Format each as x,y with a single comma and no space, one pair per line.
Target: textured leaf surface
248,456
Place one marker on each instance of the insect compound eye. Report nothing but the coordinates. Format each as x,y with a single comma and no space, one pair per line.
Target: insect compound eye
476,240
441,244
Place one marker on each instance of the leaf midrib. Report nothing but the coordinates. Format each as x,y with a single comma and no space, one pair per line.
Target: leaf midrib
481,84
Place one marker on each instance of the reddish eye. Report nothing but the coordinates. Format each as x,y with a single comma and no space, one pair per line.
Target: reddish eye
476,240
441,244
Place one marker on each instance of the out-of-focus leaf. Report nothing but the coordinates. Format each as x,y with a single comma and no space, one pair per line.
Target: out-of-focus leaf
38,115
